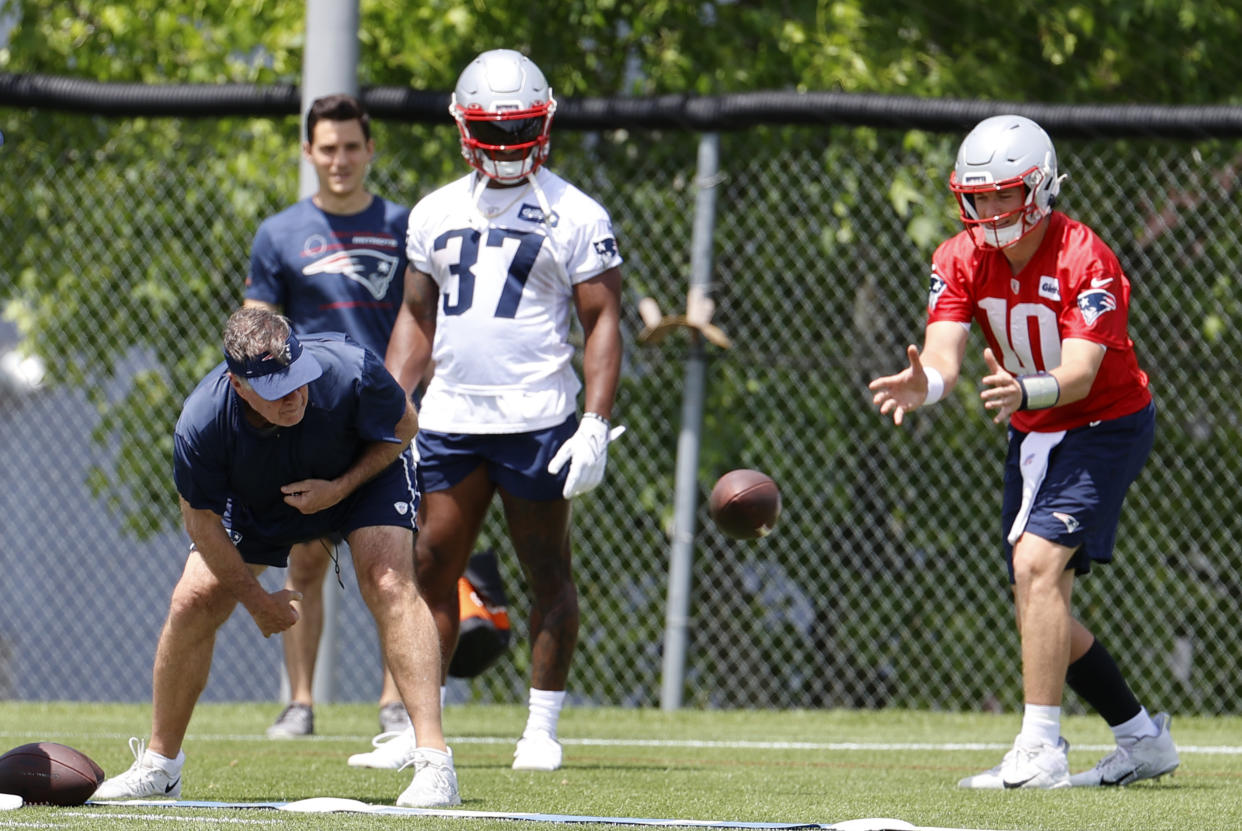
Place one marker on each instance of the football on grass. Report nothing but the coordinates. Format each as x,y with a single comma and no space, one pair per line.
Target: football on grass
49,773
745,504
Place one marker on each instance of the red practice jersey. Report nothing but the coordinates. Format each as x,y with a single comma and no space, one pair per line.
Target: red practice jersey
1072,288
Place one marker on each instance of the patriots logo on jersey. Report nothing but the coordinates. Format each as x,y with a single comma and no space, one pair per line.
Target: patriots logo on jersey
1095,302
373,269
606,247
936,289
534,213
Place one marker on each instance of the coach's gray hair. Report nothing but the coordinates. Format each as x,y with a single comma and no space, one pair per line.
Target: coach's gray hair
251,332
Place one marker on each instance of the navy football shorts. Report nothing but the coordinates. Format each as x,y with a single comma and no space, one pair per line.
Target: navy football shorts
517,462
1079,502
391,498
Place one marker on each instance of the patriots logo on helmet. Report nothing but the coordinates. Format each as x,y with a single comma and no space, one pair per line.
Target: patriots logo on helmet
1095,302
936,289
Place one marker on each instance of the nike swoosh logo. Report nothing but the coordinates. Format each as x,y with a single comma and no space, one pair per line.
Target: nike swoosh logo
1120,780
169,789
1011,785
1096,282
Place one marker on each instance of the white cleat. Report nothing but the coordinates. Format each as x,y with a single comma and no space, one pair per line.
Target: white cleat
393,751
1027,765
1133,761
537,752
435,781
143,780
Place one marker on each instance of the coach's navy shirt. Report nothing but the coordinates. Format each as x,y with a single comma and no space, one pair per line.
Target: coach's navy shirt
219,458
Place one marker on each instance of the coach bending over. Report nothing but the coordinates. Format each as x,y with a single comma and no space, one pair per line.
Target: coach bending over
288,441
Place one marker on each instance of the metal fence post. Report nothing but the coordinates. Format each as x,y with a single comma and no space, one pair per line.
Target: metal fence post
685,504
329,65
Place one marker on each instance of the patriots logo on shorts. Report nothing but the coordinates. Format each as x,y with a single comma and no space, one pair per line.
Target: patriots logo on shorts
606,247
936,289
1095,302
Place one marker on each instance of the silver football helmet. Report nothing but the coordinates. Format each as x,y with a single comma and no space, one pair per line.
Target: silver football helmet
1005,151
502,105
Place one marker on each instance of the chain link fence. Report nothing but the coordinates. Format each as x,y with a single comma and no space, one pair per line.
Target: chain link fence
884,584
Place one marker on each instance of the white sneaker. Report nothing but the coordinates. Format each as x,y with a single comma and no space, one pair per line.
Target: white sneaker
1133,761
537,752
393,751
1027,765
435,782
143,780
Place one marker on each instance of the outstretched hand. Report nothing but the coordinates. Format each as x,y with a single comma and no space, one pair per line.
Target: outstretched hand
1002,392
899,394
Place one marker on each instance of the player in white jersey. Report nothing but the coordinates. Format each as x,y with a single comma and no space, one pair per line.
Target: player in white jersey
498,260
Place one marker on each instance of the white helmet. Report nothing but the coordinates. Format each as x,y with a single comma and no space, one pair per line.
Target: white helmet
503,103
1005,151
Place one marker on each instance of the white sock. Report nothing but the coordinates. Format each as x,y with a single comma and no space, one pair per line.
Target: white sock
172,767
1139,727
1041,723
545,712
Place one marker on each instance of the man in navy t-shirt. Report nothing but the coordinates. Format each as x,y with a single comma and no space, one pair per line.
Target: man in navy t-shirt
284,442
332,262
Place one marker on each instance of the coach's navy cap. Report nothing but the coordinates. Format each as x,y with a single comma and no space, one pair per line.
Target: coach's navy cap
273,377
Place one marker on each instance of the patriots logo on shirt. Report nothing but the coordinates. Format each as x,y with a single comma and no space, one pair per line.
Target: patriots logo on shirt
373,269
1095,302
936,289
606,247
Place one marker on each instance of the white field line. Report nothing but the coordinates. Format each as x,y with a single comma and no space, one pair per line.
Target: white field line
1206,750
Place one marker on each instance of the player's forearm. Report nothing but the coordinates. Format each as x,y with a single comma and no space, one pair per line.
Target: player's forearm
601,370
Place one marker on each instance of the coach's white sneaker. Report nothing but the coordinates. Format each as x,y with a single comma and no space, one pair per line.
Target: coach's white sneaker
144,779
393,751
1133,761
1027,765
435,782
537,752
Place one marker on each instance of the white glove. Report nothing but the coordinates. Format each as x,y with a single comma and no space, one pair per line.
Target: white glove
587,453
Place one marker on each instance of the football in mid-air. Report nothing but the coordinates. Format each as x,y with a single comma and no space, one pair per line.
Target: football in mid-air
745,504
49,773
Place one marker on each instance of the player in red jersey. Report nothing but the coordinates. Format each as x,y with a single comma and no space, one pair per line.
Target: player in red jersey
1053,304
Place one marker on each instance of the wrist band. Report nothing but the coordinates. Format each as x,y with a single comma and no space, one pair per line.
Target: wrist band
597,417
1039,391
935,385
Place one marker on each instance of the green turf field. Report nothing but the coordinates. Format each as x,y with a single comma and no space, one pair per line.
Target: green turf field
751,766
